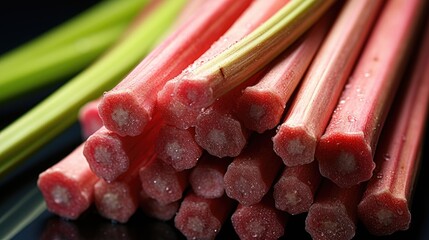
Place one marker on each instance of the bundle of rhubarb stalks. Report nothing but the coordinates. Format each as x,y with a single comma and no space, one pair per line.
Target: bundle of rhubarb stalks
204,112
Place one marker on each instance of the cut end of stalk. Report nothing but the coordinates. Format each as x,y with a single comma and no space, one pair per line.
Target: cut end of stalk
193,94
177,147
244,184
345,159
207,182
62,196
329,222
161,182
258,221
114,201
259,110
175,112
292,196
295,145
196,221
384,214
106,157
122,113
220,135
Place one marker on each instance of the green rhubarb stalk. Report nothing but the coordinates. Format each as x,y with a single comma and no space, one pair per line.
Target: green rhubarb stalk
249,55
100,16
61,63
60,109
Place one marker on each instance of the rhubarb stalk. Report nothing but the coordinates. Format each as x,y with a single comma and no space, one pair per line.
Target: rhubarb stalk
297,137
385,206
345,151
110,155
333,215
261,106
202,218
251,174
162,182
177,147
206,178
203,85
294,191
183,116
89,119
129,106
67,187
259,221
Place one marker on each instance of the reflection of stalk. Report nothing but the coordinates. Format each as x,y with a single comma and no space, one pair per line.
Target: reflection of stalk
21,214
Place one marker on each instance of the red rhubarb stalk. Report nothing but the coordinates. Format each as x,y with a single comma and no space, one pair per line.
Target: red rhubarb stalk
162,182
261,106
200,87
385,207
259,221
218,130
250,175
202,218
297,137
120,199
128,107
110,155
89,118
333,215
206,178
68,186
117,200
294,191
345,151
177,147
156,209
183,116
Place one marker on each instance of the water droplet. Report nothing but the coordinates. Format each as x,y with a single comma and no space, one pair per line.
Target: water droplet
367,74
351,118
342,101
386,156
379,175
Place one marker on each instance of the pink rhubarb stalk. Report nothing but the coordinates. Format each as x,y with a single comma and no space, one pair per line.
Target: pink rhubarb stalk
202,218
120,199
218,130
177,147
183,116
110,155
261,106
162,182
128,107
212,79
297,137
206,178
385,207
345,151
89,118
250,175
294,191
259,221
333,215
68,186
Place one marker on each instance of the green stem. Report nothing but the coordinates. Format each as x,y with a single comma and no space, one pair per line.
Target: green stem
58,64
101,16
59,110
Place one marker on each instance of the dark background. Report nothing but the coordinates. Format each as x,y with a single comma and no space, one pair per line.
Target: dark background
21,21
